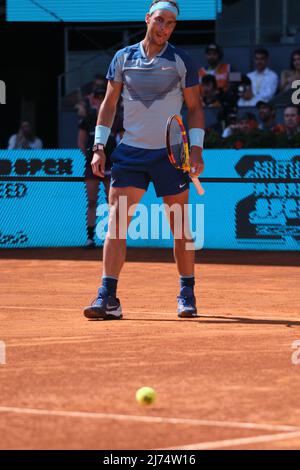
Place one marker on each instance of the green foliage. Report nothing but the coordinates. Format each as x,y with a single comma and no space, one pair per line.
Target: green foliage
255,139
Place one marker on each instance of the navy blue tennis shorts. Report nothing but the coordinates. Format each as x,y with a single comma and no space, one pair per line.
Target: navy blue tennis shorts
138,167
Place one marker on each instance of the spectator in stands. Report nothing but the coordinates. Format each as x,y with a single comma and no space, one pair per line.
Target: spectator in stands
25,138
289,76
245,124
97,98
267,116
264,80
246,94
94,97
86,137
210,94
214,56
291,124
231,124
82,108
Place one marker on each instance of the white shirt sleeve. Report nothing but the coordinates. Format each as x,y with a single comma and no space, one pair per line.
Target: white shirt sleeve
38,144
227,132
265,90
12,142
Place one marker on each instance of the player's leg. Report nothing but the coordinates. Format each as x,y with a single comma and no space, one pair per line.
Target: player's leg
120,200
106,184
179,223
92,189
173,185
184,253
107,306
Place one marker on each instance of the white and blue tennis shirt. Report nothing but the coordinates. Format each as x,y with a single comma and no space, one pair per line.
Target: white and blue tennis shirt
152,91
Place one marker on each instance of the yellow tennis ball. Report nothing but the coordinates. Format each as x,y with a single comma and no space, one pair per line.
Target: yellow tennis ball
145,396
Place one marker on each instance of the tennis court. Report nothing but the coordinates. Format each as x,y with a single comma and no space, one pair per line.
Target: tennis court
224,380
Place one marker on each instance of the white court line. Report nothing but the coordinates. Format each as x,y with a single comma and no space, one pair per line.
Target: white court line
239,441
148,419
37,308
139,311
156,313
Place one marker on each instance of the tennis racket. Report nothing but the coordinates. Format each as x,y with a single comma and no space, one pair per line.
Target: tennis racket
178,148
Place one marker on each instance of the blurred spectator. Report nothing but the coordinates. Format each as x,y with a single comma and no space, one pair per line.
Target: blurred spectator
245,93
98,86
214,56
25,138
288,76
86,137
291,124
267,116
246,124
82,107
95,98
231,123
210,94
264,80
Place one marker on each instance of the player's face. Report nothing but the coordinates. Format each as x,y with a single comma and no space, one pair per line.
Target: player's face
161,25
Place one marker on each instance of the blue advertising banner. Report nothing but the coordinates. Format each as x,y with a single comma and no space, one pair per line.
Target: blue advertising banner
252,202
102,10
40,204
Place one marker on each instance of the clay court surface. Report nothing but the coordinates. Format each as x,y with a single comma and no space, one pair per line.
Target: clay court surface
224,380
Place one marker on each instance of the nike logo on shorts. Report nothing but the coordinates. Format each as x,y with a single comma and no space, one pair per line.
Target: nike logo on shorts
182,185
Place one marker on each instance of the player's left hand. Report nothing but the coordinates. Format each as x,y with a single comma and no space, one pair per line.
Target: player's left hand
196,160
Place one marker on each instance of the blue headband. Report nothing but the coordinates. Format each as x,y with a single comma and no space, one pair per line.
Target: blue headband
164,6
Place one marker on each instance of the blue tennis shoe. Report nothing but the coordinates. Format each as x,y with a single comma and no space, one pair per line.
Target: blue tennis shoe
104,307
186,303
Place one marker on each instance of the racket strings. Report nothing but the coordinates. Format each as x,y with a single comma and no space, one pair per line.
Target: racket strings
176,144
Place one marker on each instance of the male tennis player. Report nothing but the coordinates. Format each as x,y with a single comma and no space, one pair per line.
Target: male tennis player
154,78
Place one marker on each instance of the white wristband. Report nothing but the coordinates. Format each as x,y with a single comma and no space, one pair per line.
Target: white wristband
196,137
102,134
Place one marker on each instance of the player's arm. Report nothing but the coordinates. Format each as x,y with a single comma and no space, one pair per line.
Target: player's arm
105,120
196,125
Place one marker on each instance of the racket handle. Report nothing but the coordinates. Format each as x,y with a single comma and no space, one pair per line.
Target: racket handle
198,185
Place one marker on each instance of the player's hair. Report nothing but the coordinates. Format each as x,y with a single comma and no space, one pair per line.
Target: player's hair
173,3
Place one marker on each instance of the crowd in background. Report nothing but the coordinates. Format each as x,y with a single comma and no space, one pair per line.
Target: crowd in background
231,93
243,107
224,90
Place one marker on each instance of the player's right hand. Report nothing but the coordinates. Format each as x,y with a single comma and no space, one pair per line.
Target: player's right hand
98,163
